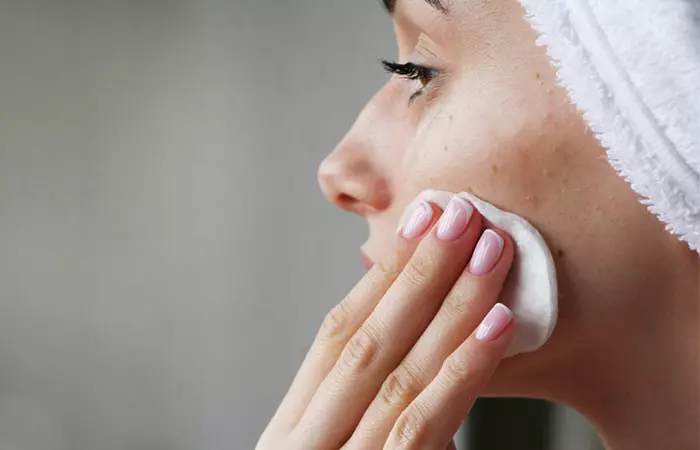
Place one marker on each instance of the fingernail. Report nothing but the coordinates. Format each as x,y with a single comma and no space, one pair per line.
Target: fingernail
418,223
455,219
494,323
486,253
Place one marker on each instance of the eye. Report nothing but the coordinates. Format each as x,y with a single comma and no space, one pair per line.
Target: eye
412,71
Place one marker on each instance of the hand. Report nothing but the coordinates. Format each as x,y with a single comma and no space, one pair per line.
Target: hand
401,360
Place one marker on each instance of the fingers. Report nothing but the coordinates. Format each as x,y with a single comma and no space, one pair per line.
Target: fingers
390,331
433,418
472,296
344,320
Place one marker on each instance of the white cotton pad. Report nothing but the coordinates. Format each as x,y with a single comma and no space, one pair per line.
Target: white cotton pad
531,289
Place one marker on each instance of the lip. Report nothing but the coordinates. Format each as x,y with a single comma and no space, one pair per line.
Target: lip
366,260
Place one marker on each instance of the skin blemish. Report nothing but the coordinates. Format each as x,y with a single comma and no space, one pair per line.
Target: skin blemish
560,253
445,149
494,168
533,200
539,76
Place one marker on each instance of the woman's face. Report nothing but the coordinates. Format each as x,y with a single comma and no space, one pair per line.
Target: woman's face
484,114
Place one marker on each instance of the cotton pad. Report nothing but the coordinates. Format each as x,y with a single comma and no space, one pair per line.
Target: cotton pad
531,289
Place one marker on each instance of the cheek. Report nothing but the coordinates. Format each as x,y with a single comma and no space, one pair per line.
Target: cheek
540,162
514,160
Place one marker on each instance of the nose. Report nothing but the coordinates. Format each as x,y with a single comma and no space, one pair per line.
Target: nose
351,178
350,181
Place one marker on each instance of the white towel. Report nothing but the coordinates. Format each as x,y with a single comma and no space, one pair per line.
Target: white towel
633,68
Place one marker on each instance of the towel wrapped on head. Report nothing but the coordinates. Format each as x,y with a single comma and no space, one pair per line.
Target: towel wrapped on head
633,68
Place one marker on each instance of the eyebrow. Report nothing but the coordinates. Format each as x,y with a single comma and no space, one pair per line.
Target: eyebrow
390,5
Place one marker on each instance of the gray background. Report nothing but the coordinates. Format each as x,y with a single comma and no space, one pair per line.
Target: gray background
165,252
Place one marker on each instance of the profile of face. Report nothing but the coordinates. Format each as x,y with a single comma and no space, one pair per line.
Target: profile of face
475,106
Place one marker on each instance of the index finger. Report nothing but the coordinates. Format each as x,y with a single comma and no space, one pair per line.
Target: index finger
342,322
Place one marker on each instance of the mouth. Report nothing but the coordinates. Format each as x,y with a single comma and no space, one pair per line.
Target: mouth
366,260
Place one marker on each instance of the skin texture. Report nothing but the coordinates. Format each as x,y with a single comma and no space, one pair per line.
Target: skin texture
495,123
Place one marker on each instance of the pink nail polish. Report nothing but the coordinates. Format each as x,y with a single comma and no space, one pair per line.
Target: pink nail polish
455,219
418,223
487,253
494,323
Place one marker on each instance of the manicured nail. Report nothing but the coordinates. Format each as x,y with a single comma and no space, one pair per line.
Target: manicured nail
487,253
494,323
418,223
455,219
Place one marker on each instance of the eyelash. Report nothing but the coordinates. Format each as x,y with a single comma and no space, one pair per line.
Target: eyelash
411,71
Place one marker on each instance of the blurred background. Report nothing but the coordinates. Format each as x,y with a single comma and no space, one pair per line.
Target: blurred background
166,255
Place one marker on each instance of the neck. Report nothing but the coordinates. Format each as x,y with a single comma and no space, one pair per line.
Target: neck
644,391
653,406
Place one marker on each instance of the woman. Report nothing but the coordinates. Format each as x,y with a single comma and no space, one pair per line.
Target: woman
475,106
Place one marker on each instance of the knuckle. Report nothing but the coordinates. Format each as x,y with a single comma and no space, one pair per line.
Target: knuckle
460,369
336,323
400,388
384,271
379,278
409,428
360,352
458,304
416,273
